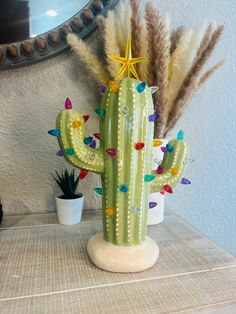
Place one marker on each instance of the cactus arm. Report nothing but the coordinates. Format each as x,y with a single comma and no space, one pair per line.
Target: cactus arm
72,134
175,159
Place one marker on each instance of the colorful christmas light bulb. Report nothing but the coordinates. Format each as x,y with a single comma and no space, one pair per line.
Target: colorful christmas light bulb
139,146
169,148
114,86
111,152
160,170
152,204
102,89
156,142
167,188
93,144
141,87
174,170
149,177
76,124
88,140
110,212
54,132
97,135
123,188
185,181
154,89
180,135
99,191
60,153
100,112
70,151
86,117
83,173
68,104
153,117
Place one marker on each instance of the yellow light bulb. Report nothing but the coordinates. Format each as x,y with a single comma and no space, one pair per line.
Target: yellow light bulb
175,170
114,86
157,143
110,212
76,124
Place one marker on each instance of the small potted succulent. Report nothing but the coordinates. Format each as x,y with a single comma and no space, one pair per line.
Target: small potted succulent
69,204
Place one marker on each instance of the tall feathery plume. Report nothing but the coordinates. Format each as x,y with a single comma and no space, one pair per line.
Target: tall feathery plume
180,64
136,30
101,38
161,65
111,46
206,38
178,55
144,49
91,61
175,38
151,31
122,24
175,70
119,15
190,83
210,72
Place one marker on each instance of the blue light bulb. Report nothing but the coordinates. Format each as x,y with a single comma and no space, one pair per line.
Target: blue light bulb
141,87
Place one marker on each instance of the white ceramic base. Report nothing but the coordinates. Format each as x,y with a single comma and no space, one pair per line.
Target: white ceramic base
122,259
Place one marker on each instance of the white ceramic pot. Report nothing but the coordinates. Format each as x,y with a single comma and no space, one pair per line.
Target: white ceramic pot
156,214
69,211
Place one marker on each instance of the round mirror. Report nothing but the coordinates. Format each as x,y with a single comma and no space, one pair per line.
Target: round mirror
32,30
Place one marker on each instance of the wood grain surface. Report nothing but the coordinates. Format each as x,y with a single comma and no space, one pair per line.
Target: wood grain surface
45,269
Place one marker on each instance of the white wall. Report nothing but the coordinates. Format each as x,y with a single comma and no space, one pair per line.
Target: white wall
31,97
209,124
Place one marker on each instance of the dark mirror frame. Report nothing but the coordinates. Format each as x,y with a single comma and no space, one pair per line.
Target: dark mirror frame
53,42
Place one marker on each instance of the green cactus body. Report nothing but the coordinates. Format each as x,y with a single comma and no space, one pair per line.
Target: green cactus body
123,124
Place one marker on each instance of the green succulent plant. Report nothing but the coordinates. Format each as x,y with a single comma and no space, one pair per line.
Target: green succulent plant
68,183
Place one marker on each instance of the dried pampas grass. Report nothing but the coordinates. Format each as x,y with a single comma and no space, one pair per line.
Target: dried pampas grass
101,38
181,62
161,50
176,34
123,24
90,60
136,28
207,36
210,72
136,31
190,83
111,46
177,68
150,17
173,61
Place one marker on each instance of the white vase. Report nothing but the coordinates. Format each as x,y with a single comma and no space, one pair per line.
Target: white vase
69,211
156,214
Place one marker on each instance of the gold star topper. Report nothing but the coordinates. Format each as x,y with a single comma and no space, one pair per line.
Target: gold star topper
127,62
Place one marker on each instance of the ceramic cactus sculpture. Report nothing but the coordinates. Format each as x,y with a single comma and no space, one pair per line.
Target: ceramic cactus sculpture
124,162
123,159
